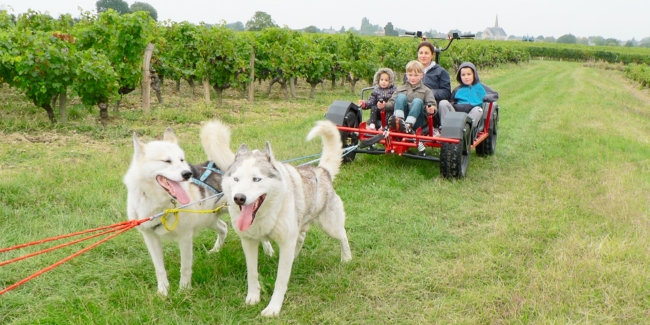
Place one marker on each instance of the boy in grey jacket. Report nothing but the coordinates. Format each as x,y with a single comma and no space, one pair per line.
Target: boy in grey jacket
409,101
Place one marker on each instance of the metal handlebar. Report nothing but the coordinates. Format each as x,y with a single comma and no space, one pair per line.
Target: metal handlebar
364,89
438,50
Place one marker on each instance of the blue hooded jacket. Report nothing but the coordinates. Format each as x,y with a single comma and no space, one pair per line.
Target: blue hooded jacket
472,94
465,97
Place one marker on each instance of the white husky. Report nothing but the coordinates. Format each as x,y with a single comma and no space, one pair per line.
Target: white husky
157,178
270,200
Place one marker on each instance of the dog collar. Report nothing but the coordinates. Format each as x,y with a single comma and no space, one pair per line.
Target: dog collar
209,169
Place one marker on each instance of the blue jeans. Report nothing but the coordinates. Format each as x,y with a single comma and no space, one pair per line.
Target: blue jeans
414,111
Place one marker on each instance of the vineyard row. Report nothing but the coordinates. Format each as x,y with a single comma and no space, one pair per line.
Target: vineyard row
100,57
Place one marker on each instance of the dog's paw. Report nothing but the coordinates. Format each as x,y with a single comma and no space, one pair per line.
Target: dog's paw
218,244
271,311
185,285
162,291
268,249
214,249
252,299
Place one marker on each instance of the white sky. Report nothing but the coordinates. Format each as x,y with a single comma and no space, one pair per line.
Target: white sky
621,19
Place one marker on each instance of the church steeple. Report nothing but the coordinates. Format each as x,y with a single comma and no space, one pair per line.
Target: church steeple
496,22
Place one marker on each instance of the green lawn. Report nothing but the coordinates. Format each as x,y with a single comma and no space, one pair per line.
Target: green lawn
553,228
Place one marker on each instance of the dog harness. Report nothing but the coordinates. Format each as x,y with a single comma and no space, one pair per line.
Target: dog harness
201,181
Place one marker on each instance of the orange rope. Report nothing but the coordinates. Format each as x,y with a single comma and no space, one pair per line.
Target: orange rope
64,236
120,228
60,246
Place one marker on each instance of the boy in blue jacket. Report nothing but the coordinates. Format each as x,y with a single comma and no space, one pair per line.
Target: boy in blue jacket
469,96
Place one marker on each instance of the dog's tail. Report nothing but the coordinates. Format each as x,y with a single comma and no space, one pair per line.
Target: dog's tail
215,137
332,148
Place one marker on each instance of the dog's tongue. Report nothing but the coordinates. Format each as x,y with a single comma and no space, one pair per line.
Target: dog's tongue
246,216
179,192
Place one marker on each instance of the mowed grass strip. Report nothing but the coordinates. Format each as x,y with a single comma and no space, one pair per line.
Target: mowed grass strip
551,229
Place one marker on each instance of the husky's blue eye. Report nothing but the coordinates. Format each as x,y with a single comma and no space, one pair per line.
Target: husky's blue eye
256,179
236,179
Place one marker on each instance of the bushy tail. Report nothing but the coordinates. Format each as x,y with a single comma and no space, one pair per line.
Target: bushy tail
332,148
215,138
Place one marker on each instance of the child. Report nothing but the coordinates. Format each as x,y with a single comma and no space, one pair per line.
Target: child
384,89
469,96
409,101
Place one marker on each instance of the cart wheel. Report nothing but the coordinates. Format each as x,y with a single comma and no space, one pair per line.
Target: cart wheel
350,138
487,147
454,157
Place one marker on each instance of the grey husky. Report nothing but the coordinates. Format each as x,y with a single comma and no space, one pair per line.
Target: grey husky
271,200
159,178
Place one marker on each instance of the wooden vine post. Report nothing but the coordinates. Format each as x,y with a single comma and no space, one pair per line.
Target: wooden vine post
206,90
146,79
63,114
251,88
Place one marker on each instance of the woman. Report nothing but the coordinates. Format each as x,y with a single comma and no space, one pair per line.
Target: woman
435,76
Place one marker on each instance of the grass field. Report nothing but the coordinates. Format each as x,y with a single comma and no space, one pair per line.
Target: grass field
553,228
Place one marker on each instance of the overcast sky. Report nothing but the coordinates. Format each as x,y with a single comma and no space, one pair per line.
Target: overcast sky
621,19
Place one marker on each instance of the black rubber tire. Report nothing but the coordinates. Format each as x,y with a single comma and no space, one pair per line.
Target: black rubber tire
454,157
350,138
489,145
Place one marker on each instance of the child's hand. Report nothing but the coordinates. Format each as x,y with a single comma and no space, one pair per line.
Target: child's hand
431,109
360,103
381,104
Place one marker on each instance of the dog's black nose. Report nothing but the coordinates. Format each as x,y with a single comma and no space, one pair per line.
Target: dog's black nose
240,199
186,174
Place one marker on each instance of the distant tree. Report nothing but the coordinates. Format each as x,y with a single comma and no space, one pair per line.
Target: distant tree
118,5
583,40
597,40
238,26
342,30
389,30
367,28
511,37
312,29
630,43
567,39
143,6
353,30
549,39
260,21
539,38
478,35
644,42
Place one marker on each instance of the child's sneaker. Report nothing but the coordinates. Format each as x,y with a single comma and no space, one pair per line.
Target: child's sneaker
371,126
397,124
408,128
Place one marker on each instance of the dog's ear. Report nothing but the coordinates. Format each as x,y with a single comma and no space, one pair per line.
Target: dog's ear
267,151
138,146
243,149
170,136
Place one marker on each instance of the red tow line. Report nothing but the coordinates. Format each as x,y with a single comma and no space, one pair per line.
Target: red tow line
118,228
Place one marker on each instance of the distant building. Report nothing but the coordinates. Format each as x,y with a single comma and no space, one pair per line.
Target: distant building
329,31
495,33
